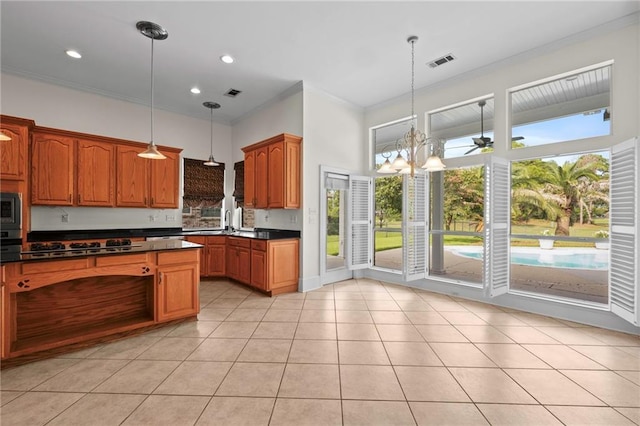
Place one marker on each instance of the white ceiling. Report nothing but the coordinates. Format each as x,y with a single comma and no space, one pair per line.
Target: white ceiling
356,51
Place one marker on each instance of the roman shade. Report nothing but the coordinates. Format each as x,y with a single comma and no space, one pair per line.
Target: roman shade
203,185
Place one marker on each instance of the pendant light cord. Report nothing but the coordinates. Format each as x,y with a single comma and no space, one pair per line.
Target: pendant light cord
413,42
152,143
211,132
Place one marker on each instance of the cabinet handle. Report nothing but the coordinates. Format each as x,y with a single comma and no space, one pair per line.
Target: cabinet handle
152,201
145,200
69,197
159,278
79,198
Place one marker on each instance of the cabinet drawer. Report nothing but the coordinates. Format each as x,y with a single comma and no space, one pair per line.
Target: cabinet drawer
259,245
177,256
55,266
121,259
239,242
217,240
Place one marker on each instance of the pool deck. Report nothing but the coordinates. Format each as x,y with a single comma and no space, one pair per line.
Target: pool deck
582,284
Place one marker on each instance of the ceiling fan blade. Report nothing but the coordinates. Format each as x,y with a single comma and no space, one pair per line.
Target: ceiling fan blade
471,150
517,138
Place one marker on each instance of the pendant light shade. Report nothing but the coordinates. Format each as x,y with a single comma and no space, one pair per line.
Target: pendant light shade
4,137
434,164
211,106
154,32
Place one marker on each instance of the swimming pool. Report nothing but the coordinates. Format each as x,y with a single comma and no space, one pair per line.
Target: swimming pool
572,258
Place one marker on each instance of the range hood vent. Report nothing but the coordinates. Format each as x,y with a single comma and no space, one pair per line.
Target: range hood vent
441,61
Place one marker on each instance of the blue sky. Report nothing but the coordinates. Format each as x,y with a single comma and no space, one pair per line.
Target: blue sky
561,129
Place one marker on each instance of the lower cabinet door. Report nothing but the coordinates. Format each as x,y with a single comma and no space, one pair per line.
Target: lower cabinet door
259,269
177,287
244,267
216,260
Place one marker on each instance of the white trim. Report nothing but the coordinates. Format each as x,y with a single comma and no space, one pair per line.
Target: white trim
309,284
325,276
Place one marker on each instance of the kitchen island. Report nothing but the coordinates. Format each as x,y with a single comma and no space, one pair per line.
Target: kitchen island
85,296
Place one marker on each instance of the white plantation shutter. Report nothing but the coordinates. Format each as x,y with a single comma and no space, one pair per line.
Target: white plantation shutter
497,195
360,221
414,220
623,269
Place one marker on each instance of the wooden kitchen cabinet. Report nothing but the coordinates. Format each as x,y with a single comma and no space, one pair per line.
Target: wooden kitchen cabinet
13,153
213,258
283,268
53,169
132,172
216,256
72,172
178,281
95,174
259,265
164,182
239,259
272,173
250,179
141,182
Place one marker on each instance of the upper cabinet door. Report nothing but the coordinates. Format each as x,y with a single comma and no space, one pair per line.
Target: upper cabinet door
96,174
165,181
250,179
52,170
276,175
262,176
13,152
132,177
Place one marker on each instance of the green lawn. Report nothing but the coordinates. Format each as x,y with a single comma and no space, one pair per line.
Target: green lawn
391,240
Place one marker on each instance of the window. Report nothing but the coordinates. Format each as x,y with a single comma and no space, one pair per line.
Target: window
387,231
467,129
575,106
457,224
203,194
560,226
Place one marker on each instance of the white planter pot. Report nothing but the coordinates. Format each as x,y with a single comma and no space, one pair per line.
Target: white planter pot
546,244
602,246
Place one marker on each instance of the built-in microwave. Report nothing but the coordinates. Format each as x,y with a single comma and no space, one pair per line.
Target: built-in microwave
10,215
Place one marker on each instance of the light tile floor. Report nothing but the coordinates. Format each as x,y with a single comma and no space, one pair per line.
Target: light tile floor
359,352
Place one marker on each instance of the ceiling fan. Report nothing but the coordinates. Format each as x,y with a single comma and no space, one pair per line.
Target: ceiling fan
485,141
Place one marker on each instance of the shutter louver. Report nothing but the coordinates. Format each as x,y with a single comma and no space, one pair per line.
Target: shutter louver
496,222
414,212
624,293
360,197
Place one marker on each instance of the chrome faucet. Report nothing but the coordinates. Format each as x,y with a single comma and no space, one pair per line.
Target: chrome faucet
227,220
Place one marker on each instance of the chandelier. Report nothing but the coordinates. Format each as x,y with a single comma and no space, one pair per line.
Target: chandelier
413,141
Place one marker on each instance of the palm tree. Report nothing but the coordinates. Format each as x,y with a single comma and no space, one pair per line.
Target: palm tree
527,195
562,188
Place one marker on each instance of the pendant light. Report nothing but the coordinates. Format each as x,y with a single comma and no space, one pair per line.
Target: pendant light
154,32
211,106
4,137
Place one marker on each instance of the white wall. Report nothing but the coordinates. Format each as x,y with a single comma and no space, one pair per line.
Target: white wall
281,115
64,108
620,44
333,136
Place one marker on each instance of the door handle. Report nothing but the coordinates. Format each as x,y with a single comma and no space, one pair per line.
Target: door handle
159,278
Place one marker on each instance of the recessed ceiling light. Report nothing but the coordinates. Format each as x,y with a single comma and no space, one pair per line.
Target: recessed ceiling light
195,90
227,59
74,54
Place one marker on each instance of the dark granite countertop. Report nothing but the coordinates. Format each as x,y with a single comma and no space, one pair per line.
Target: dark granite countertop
258,233
136,247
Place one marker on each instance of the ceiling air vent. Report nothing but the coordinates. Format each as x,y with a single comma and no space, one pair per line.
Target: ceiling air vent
232,93
441,61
